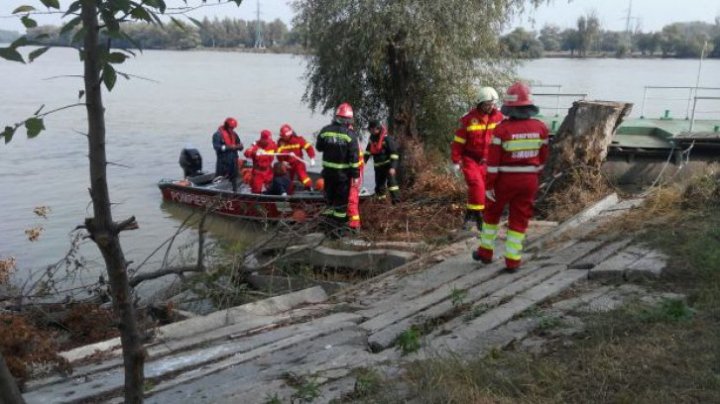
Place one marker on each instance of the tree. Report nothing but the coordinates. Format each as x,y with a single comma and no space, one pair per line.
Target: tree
275,33
521,43
588,31
95,18
570,41
416,62
551,38
647,43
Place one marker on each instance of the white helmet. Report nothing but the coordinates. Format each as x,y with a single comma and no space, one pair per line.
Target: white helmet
488,94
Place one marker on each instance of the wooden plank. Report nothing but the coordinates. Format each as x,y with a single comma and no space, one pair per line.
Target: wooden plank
459,336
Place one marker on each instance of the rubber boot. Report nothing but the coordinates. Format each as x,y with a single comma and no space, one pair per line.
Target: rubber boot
512,265
483,255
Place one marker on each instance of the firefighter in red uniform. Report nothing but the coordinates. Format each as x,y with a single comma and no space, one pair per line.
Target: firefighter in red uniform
291,143
518,151
262,154
227,144
469,151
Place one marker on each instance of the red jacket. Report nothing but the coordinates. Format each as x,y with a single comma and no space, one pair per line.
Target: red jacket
264,160
294,144
473,136
517,146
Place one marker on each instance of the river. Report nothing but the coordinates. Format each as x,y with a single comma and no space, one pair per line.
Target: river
176,98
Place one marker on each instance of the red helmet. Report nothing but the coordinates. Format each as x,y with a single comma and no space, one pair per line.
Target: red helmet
230,123
517,95
344,110
265,135
286,130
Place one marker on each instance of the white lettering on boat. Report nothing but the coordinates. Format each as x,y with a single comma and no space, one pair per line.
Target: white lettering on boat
201,200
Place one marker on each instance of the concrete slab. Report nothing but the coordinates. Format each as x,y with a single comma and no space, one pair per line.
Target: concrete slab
592,260
649,266
615,266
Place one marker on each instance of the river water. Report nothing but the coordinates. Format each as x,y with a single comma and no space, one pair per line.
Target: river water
181,97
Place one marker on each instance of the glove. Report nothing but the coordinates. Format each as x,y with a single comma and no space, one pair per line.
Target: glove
490,195
355,182
391,172
312,162
260,152
456,169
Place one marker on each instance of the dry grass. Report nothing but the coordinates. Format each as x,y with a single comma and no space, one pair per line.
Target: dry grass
571,193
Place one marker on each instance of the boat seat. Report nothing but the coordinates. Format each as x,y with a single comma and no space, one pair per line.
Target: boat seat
202,179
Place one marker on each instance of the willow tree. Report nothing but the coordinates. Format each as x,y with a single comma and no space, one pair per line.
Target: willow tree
418,63
95,24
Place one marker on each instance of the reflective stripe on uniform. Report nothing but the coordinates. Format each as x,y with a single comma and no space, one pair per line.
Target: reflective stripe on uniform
459,140
327,212
366,153
475,207
339,214
492,169
381,163
518,169
488,235
355,218
288,147
522,144
394,157
496,140
336,135
306,180
336,166
307,146
394,188
514,245
480,126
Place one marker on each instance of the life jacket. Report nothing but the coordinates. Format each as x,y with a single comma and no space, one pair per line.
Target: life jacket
227,136
377,147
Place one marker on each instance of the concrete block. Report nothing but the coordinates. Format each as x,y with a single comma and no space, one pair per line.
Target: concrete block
595,258
614,267
649,266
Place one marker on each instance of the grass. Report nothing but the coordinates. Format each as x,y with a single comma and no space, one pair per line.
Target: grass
669,353
409,341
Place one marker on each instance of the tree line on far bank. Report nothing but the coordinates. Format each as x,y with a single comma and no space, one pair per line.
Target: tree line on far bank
676,40
226,33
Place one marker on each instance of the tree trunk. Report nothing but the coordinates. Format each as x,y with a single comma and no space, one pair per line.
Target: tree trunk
403,112
578,151
585,134
9,391
101,227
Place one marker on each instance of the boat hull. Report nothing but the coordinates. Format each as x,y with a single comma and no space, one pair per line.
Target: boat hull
243,205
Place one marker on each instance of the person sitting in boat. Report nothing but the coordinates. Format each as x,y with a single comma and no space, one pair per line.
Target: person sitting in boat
262,154
227,144
281,180
291,146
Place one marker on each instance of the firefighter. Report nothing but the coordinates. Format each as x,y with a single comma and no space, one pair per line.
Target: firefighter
291,144
469,151
353,209
339,144
227,144
384,151
262,154
517,154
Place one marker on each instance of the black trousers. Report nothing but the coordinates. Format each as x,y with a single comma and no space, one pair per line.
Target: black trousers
385,181
337,190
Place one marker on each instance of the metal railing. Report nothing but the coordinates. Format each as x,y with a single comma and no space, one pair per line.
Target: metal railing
694,106
692,93
558,96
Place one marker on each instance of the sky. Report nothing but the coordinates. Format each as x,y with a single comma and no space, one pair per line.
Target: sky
651,15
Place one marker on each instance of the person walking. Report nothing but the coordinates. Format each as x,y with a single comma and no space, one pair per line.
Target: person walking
469,151
227,144
339,144
383,149
516,157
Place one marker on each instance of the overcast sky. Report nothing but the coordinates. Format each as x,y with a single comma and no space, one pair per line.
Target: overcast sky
651,15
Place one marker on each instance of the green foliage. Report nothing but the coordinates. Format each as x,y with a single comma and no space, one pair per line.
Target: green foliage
409,340
306,391
272,399
417,62
367,383
457,296
549,322
523,44
669,310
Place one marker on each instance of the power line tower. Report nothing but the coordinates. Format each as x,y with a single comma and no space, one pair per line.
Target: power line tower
628,27
259,43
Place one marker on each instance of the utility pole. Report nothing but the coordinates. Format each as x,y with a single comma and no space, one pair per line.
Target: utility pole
628,29
258,30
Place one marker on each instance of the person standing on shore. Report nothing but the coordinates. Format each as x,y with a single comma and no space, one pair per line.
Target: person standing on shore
339,144
516,157
227,144
386,160
469,151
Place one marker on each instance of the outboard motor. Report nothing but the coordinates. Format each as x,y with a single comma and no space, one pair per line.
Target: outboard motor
191,162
